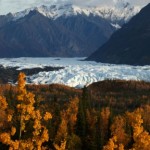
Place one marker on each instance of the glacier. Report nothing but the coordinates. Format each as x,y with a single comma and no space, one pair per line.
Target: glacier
76,73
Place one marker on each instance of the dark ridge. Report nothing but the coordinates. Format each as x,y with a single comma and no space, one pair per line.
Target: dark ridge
129,45
10,74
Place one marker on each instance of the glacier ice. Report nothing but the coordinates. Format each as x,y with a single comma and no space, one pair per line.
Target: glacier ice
77,73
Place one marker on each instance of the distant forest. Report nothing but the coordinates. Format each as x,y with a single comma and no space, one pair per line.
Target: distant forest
107,115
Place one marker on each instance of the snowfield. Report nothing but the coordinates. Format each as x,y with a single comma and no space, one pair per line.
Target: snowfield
76,73
117,13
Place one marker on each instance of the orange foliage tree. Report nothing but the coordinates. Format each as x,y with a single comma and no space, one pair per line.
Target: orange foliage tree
105,116
24,117
118,130
140,136
112,144
67,126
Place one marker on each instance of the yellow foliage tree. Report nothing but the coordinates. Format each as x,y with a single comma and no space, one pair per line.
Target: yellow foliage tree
140,136
145,116
66,127
112,144
61,136
71,114
104,124
24,112
118,130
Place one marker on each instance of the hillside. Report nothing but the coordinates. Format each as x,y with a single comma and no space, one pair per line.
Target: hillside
77,119
130,44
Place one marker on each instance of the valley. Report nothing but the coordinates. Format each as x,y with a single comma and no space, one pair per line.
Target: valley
74,75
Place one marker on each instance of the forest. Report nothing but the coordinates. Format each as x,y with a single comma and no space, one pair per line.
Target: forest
107,115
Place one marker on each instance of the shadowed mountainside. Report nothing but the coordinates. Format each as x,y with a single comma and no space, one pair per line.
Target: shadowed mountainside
130,44
38,36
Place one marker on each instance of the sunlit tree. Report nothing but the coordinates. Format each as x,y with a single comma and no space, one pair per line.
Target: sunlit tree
141,137
104,126
118,130
26,128
66,128
112,144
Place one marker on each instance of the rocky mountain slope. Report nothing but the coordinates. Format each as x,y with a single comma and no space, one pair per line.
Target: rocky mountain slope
129,45
59,30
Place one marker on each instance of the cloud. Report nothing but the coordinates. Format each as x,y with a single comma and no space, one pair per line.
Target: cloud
91,2
18,5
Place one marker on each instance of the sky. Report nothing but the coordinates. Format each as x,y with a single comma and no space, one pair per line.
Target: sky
7,6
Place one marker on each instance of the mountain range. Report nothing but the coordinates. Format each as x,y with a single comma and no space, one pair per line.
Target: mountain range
60,30
130,44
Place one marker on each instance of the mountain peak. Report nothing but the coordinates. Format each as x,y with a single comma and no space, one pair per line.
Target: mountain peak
114,14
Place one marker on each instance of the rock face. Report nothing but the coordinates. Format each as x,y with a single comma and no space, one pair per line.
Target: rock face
130,44
60,31
5,19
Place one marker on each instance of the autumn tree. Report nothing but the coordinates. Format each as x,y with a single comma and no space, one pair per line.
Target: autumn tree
145,115
65,133
91,120
112,144
118,130
104,126
140,136
62,133
22,136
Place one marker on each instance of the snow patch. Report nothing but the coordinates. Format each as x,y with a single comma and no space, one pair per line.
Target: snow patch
117,26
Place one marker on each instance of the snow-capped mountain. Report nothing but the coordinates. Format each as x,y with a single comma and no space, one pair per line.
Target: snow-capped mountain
116,15
60,30
35,35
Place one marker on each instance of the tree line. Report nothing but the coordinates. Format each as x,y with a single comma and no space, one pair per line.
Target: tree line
63,118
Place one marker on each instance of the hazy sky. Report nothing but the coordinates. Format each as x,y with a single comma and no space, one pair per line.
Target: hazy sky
7,6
